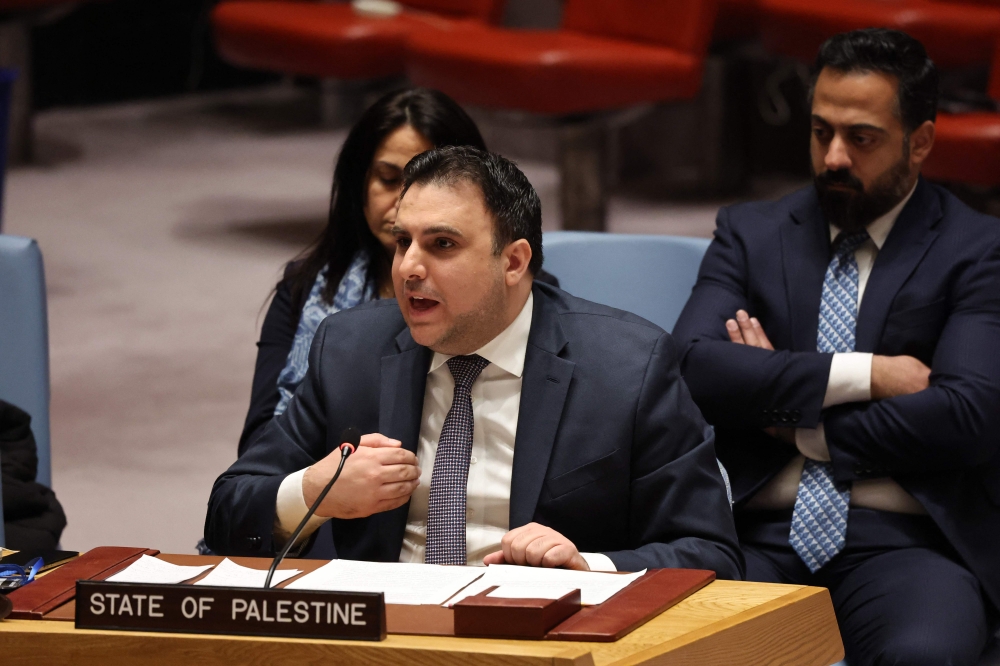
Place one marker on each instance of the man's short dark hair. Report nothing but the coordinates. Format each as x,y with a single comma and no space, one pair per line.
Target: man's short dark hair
509,197
889,52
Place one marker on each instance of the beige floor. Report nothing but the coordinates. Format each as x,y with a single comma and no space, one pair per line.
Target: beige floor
164,226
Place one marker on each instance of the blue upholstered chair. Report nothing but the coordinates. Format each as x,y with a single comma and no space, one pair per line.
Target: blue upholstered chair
650,276
24,340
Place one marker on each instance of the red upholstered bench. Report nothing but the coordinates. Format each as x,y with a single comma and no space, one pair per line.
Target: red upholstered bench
967,145
607,55
331,39
955,35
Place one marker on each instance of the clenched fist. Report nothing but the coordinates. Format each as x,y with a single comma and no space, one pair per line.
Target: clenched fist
379,476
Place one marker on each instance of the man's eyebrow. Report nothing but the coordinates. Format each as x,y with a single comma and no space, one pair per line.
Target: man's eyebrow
857,127
442,229
430,231
865,127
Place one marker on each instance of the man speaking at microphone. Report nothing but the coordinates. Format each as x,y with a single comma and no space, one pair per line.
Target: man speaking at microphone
508,421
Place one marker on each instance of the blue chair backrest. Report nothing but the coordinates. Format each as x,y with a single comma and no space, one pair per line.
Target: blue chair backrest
650,276
24,340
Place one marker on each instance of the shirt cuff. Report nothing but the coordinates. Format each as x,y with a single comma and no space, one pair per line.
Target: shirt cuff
850,379
291,509
811,442
599,562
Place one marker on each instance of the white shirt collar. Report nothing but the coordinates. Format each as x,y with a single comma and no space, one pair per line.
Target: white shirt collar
506,351
879,230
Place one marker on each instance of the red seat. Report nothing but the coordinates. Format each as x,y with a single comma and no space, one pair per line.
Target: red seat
955,35
331,40
608,54
967,145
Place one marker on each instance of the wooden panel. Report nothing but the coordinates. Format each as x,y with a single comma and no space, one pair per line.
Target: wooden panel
716,602
793,630
29,643
726,622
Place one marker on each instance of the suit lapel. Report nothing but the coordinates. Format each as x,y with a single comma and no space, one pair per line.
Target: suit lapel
805,252
908,242
544,386
401,403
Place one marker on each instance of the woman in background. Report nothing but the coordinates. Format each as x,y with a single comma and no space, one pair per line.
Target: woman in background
351,262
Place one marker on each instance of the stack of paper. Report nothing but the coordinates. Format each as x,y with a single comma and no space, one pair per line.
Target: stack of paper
536,583
230,574
402,583
155,571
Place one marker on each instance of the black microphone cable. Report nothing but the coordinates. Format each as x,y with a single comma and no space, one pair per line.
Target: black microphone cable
351,439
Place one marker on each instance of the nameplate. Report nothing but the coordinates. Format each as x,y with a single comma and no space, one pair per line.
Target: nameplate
230,610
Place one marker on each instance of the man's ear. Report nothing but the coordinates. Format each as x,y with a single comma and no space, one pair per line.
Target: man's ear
921,142
517,256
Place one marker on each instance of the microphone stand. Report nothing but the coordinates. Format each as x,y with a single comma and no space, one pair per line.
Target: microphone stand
345,451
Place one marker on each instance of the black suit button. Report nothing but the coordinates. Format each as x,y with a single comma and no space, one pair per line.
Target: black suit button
796,414
254,542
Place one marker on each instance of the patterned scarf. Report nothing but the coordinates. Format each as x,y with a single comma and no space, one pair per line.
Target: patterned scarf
354,289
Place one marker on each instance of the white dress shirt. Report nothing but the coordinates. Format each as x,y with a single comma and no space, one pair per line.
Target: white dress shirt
496,399
850,381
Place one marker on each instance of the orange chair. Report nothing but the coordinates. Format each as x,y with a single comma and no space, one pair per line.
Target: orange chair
331,40
967,145
608,55
955,35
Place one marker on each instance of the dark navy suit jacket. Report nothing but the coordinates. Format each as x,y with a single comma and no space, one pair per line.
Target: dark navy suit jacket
610,449
933,293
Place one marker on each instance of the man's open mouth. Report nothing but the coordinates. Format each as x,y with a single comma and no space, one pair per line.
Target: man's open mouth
419,304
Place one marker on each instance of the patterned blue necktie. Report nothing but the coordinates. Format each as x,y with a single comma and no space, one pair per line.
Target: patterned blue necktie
819,520
450,478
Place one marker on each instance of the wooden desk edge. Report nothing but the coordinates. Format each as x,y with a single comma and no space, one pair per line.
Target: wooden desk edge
780,624
430,650
695,648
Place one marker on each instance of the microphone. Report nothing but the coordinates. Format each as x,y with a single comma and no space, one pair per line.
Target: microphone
351,438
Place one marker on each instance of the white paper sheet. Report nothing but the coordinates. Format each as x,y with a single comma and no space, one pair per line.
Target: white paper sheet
229,574
152,570
402,583
595,587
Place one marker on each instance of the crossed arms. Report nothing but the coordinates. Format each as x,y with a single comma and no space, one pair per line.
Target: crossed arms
912,423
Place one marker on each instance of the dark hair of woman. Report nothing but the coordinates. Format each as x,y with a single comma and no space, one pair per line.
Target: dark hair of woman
432,114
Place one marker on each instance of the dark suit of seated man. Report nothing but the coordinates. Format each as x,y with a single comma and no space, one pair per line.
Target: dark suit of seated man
509,421
862,442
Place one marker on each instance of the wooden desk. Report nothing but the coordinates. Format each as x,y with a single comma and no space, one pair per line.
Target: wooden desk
725,623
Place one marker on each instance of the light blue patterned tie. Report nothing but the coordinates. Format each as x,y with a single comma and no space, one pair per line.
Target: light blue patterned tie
819,520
